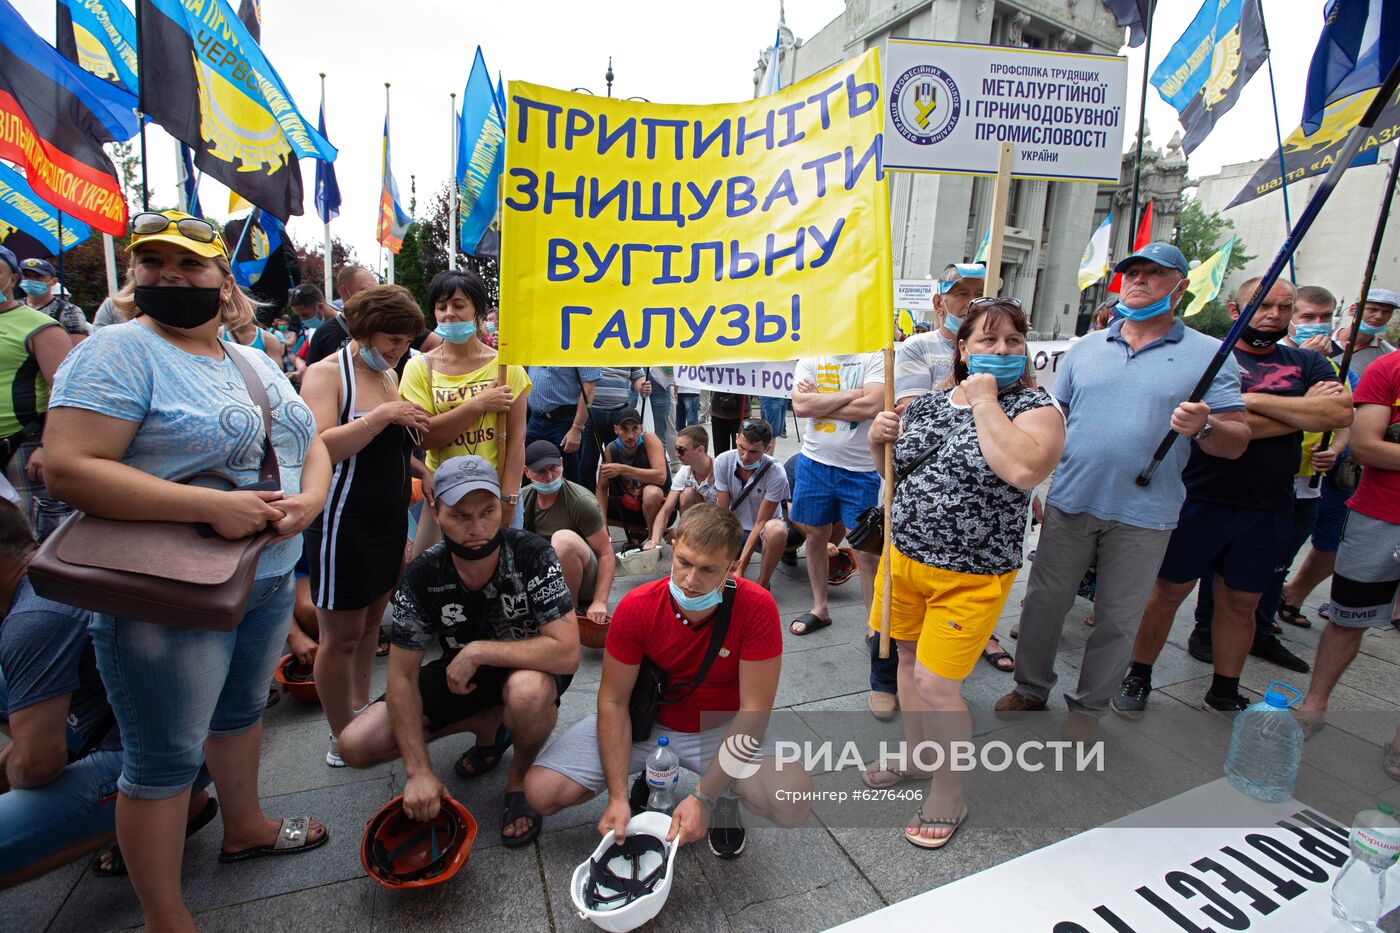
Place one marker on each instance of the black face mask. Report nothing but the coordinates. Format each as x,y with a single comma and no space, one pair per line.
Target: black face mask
475,553
1262,339
181,306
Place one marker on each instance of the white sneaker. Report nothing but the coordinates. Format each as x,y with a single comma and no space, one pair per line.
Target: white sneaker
333,754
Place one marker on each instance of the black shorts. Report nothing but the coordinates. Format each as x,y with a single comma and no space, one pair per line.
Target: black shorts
628,517
443,708
1241,546
794,539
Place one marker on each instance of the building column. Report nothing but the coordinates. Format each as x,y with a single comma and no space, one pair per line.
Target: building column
1030,220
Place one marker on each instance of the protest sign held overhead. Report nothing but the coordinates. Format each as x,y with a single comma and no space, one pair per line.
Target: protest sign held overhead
637,233
950,106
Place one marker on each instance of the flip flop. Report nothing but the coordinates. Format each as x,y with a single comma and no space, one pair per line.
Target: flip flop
117,867
293,839
515,808
996,658
810,623
874,776
483,758
924,842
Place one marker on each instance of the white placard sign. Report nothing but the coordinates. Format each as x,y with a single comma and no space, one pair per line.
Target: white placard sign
914,294
950,105
774,380
1243,865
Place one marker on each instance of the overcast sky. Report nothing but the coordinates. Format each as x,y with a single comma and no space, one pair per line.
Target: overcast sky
664,51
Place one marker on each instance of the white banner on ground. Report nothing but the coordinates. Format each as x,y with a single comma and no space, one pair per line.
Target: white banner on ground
1259,867
914,294
774,380
950,105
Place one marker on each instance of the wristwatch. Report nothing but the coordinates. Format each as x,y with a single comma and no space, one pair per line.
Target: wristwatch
511,499
1204,432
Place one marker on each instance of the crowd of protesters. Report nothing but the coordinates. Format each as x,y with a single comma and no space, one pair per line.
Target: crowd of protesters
482,507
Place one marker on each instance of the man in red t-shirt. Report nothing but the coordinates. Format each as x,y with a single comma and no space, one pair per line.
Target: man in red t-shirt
1368,560
670,622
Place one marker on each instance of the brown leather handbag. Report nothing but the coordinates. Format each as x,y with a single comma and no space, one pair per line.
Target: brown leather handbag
172,573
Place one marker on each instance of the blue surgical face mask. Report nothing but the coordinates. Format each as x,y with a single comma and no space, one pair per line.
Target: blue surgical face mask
547,488
1151,311
1370,329
695,603
490,327
33,287
1006,369
951,323
375,360
1302,332
456,331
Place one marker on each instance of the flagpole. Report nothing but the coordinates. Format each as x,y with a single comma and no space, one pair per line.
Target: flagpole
1142,115
109,253
60,247
1278,135
141,111
453,208
327,256
1314,206
243,234
390,168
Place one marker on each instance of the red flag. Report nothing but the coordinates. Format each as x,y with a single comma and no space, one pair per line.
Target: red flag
1144,236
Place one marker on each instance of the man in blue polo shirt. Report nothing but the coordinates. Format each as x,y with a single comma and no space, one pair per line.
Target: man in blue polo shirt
559,400
1121,387
1238,517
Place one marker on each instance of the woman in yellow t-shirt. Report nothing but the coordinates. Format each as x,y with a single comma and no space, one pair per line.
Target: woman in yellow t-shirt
456,384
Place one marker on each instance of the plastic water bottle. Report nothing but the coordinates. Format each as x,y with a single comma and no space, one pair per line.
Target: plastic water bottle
663,777
1266,747
1358,895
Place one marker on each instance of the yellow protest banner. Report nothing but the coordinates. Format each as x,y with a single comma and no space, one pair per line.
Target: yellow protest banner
635,233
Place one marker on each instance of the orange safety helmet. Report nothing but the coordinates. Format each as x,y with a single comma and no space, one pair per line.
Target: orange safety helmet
296,680
590,633
401,853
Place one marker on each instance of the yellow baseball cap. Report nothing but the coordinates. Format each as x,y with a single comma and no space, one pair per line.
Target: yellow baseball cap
177,228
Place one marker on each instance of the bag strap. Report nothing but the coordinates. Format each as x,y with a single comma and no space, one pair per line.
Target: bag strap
269,470
923,457
721,628
753,484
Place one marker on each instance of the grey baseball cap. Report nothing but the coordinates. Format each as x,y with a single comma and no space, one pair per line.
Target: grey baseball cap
1383,296
457,476
1163,254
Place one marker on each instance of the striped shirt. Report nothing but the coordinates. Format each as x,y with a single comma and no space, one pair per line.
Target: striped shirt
554,387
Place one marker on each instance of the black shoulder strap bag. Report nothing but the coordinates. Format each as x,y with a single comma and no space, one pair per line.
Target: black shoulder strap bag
767,462
651,689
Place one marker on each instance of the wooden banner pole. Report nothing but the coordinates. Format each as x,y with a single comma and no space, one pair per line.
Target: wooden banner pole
991,286
887,554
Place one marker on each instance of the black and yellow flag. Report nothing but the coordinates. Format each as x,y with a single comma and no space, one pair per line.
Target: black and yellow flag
209,85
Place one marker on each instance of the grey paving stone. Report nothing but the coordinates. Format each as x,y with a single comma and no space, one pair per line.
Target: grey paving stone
495,892
30,907
294,760
813,675
1345,756
208,885
1383,644
343,906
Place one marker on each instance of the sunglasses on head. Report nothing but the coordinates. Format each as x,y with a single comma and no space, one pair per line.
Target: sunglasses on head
988,301
148,223
760,427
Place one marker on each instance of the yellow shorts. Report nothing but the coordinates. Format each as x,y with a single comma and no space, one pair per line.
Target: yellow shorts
951,615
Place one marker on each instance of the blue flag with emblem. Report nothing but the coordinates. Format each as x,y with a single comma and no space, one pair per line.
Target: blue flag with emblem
261,241
24,210
209,85
1360,41
327,188
1203,73
99,36
481,155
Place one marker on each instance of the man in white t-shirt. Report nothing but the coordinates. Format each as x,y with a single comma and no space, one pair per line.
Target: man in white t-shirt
694,482
752,485
923,361
836,475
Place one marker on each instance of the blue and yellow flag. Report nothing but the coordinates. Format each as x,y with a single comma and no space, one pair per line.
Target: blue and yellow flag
24,210
393,222
209,85
99,36
1203,73
481,156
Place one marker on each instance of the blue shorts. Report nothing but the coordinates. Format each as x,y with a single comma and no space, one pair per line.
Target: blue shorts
173,688
827,494
1331,516
1241,546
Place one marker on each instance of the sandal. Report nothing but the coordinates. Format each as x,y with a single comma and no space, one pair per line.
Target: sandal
515,808
924,842
874,776
1001,660
809,622
294,838
483,758
274,696
116,865
1391,761
382,649
1293,616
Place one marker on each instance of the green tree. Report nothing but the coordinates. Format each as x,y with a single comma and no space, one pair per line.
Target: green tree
426,245
1199,234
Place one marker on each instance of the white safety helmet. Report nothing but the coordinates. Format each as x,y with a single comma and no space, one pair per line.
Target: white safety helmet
623,885
637,562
